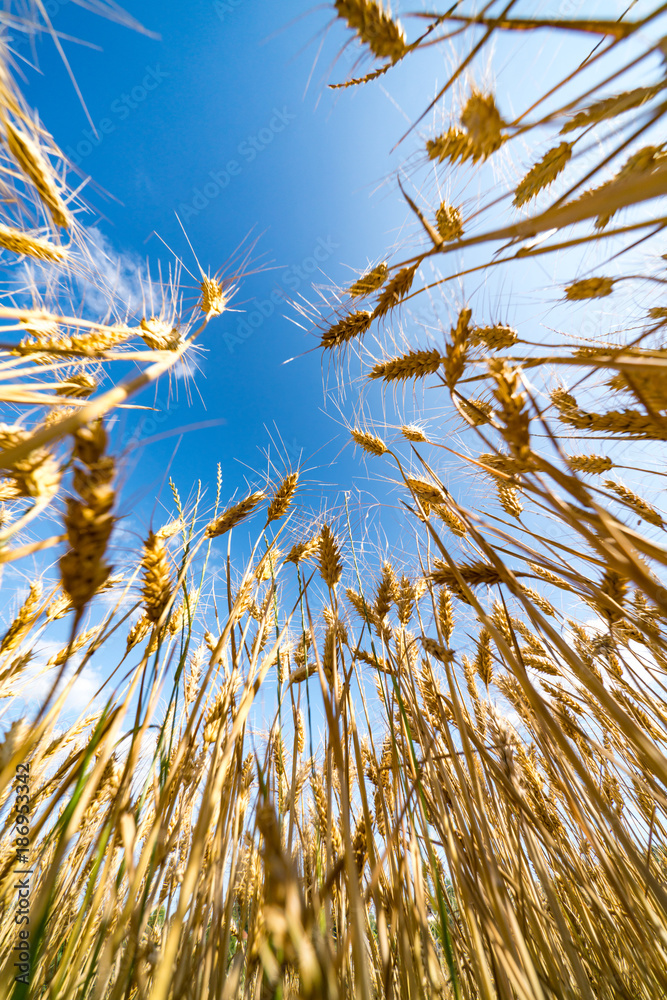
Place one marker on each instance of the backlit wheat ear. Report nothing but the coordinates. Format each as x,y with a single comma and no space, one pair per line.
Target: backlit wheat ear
449,223
159,335
543,173
445,614
589,288
331,566
424,490
89,519
29,157
405,600
537,599
611,107
138,632
395,290
387,592
283,497
642,162
36,475
170,529
24,619
474,574
453,145
157,583
233,515
456,351
213,300
482,121
369,282
494,337
484,660
303,551
63,655
374,27
594,464
58,608
349,328
509,500
512,405
413,433
31,246
475,411
414,364
369,442
77,386
452,520
635,503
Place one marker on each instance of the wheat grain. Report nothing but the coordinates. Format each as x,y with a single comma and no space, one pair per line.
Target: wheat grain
512,401
282,498
386,593
475,574
449,222
452,520
509,500
405,601
456,351
160,335
635,503
24,619
81,640
482,121
537,599
233,515
33,164
88,520
445,614
349,328
369,282
331,566
157,583
213,300
413,433
36,475
374,26
413,364
369,442
589,288
543,173
594,464
424,490
138,632
453,145
484,660
494,337
395,290
31,246
610,107
302,551
78,385
475,411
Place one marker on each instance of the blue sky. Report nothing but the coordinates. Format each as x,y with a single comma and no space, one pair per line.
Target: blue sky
219,122
225,119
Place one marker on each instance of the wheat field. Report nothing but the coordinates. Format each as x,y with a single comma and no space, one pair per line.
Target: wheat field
457,784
